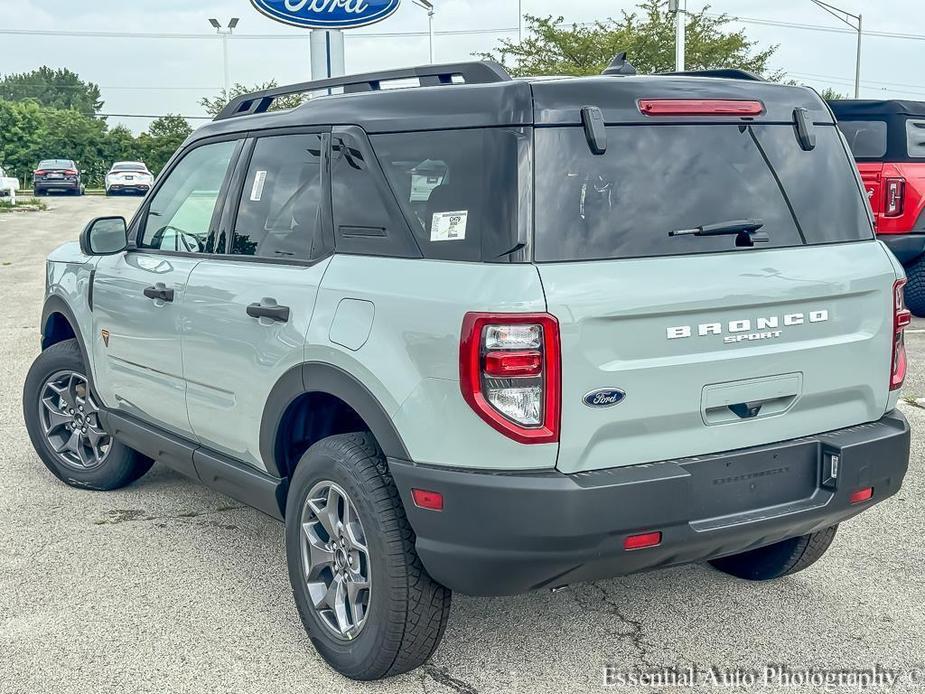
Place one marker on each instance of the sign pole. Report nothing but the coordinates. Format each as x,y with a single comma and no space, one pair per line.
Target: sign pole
327,53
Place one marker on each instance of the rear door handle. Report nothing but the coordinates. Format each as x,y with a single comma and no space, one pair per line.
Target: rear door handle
274,312
159,291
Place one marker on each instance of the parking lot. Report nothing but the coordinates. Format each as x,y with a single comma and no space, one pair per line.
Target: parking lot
167,586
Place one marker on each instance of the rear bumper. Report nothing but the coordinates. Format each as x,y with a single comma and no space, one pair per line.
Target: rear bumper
127,187
501,534
906,247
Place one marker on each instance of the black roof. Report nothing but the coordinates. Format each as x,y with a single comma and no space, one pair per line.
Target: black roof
496,100
869,108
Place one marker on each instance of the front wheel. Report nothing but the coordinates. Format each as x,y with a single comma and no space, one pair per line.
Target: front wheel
780,559
62,418
367,603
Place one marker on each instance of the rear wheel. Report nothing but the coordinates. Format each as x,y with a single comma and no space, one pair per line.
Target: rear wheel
780,559
62,418
367,603
915,287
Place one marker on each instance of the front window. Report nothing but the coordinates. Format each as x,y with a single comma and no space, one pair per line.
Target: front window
655,179
179,217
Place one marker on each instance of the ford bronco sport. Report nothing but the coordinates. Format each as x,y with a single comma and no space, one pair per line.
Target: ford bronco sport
888,142
491,335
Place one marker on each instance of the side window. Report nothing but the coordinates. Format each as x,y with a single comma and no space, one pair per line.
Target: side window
280,214
367,219
461,189
915,137
180,213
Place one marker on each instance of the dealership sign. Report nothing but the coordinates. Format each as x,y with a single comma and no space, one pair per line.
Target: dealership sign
327,14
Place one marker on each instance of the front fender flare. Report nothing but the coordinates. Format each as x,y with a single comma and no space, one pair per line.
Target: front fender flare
56,304
317,377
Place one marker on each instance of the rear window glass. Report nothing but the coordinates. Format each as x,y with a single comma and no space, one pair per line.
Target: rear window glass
129,167
458,188
656,179
866,138
56,164
915,137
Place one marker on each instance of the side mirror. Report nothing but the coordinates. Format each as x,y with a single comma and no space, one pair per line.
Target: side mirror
104,236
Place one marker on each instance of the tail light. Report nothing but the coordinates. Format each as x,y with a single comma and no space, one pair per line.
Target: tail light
70,172
901,318
895,190
509,373
700,107
39,172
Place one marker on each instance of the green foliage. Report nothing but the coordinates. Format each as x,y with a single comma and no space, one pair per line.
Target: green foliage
215,105
647,35
60,89
31,132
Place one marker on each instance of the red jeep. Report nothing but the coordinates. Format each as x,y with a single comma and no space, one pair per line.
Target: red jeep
888,142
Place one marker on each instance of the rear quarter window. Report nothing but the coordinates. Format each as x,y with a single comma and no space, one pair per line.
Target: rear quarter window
866,138
915,138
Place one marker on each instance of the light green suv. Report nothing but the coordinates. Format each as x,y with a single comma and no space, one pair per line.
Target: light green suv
491,335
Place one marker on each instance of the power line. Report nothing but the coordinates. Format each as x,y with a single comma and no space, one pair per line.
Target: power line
236,37
819,27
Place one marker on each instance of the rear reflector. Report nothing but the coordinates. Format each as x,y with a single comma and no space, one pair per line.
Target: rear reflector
700,107
901,318
642,541
514,363
861,495
432,501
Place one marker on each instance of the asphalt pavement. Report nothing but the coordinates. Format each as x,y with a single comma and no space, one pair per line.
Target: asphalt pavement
166,586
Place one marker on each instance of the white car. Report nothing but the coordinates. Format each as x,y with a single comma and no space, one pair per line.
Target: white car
8,184
129,177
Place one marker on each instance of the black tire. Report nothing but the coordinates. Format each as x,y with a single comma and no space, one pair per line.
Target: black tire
408,610
915,287
121,465
780,559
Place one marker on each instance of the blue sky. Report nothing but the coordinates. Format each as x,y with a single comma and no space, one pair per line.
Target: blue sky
148,75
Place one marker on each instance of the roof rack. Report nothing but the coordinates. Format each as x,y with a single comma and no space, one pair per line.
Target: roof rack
477,72
723,73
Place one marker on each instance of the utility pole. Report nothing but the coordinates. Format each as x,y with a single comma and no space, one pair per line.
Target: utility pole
679,9
225,32
855,22
520,21
429,6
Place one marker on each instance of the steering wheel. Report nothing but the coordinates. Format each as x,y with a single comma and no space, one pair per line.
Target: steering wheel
190,242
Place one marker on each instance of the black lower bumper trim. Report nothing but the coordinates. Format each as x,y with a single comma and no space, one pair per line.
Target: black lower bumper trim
505,533
906,247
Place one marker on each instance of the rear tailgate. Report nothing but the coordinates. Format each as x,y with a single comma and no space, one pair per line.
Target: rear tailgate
718,342
820,361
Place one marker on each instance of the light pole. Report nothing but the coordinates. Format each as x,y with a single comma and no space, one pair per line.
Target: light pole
429,6
847,18
679,9
225,32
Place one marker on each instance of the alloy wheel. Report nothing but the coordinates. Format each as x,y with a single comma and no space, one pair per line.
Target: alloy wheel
335,560
70,421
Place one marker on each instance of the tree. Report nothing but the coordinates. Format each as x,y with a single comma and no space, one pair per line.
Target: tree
54,88
647,35
215,105
164,136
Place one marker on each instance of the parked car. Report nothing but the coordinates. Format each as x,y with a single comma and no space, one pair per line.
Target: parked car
8,184
128,177
61,175
888,142
491,336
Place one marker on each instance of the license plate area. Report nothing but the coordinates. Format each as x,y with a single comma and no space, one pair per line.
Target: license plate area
753,479
55,175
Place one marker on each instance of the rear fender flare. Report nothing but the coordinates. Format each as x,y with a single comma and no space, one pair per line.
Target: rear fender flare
317,377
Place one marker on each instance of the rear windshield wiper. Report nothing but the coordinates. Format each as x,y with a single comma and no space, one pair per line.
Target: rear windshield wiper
743,229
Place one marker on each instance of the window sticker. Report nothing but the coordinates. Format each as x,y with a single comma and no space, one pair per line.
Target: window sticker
257,190
449,226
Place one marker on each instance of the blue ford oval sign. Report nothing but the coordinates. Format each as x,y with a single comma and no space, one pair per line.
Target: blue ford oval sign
604,397
327,14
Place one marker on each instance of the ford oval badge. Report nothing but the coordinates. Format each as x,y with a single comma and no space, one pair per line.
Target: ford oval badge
604,397
327,14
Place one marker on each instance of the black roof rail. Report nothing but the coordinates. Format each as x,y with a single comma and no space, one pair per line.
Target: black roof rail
476,72
724,73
